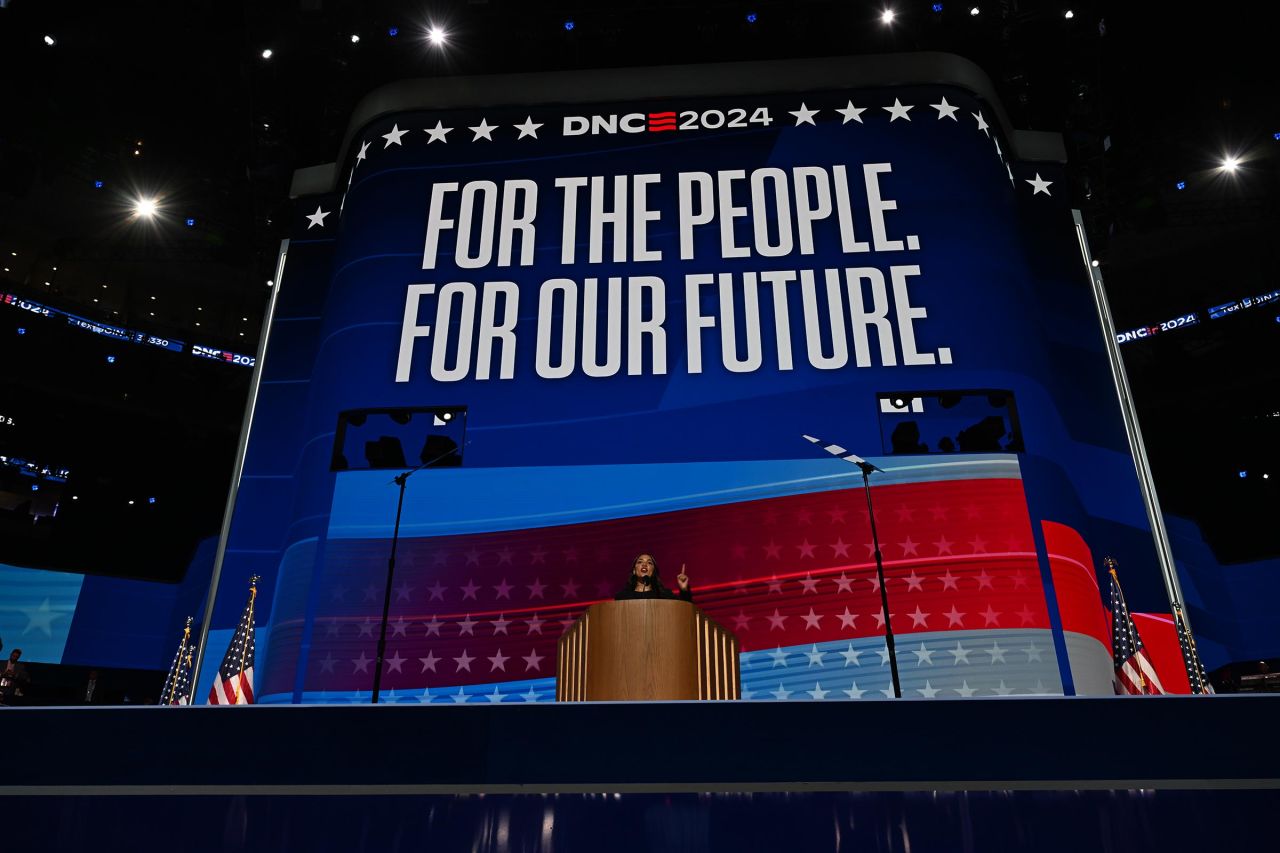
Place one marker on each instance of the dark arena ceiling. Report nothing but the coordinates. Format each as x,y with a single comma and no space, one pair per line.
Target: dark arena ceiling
106,104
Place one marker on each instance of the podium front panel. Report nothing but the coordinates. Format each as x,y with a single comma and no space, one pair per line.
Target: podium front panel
642,649
646,649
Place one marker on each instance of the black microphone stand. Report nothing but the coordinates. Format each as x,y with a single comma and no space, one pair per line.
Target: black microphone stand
867,468
400,480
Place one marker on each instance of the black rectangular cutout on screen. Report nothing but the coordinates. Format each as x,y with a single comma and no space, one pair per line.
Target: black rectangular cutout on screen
970,421
399,439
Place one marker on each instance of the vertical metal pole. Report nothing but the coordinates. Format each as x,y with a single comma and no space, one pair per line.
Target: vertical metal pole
246,426
1146,483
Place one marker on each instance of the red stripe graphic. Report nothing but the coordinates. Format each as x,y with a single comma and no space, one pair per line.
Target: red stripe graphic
659,122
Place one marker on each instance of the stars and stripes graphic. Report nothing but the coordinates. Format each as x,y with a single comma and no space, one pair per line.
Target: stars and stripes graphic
1134,673
177,685
937,664
234,685
475,616
1190,657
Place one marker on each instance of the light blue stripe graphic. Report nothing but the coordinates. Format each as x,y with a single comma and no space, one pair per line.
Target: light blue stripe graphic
36,608
449,501
933,665
525,691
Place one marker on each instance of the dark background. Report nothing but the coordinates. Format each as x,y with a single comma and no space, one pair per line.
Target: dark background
176,102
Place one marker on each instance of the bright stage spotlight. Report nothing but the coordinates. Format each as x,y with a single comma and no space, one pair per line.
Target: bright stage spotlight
355,38
437,36
1230,164
752,17
887,16
1069,15
268,53
974,11
50,41
569,25
393,31
145,208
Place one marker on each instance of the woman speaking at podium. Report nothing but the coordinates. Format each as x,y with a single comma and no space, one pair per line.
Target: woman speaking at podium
645,583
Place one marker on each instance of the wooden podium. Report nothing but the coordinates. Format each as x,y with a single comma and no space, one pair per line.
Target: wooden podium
646,649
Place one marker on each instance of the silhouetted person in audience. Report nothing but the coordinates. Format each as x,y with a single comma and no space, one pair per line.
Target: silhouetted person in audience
1014,444
385,452
906,438
440,451
946,445
984,436
92,690
13,679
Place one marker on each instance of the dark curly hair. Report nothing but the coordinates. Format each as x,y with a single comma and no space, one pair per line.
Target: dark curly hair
654,581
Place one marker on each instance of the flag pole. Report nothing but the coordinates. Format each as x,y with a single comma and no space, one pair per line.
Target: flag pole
172,693
1191,656
189,647
244,647
1110,563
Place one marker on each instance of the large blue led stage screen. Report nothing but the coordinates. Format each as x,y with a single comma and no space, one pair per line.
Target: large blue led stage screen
610,325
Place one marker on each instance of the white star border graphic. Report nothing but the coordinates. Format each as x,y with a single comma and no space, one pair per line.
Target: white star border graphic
806,115
803,115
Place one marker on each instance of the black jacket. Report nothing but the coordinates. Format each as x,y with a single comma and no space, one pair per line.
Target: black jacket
655,592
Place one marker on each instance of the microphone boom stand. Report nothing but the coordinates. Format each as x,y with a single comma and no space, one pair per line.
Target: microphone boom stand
867,468
400,480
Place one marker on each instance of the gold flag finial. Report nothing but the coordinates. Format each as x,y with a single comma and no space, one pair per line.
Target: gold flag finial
1110,563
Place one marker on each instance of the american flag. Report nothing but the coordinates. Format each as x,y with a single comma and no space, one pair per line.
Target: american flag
1134,673
235,676
177,686
475,616
1190,657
